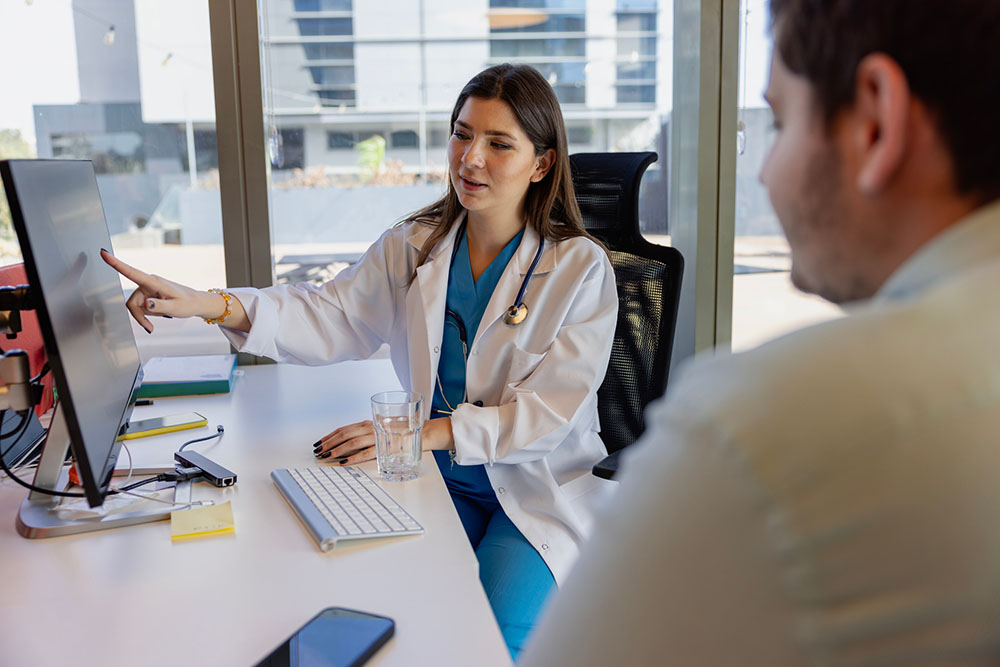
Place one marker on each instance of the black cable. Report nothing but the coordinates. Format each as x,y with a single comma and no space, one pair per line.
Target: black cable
20,425
32,487
41,373
176,475
141,482
219,432
17,431
179,475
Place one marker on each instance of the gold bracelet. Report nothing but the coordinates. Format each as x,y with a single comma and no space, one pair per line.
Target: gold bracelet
229,311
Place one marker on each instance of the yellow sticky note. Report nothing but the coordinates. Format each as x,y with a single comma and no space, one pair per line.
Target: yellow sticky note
202,521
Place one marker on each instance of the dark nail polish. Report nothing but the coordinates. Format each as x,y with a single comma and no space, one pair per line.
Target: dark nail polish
167,317
342,460
325,456
149,331
105,250
317,444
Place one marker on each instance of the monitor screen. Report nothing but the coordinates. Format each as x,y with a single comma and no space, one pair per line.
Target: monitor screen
59,219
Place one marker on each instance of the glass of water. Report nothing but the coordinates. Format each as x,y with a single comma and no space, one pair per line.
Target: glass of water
398,419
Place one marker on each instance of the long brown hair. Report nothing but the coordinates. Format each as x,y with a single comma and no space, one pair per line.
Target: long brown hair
550,206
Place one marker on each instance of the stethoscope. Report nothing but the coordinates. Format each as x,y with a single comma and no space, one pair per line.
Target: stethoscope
518,311
513,316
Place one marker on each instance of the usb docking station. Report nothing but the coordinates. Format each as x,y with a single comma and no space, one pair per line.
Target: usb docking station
213,472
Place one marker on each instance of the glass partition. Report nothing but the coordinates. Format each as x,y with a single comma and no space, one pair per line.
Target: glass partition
765,304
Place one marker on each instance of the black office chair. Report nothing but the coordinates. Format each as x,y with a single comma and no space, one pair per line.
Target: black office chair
649,287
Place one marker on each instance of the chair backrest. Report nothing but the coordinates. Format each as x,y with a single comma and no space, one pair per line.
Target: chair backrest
648,277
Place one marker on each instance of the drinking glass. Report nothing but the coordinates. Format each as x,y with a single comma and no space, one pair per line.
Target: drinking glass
398,419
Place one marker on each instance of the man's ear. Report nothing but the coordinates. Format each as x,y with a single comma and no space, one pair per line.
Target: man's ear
881,113
543,163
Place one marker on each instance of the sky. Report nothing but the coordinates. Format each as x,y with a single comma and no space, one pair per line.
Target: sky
38,52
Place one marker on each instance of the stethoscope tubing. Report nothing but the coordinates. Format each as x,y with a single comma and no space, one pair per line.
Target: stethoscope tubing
460,325
519,301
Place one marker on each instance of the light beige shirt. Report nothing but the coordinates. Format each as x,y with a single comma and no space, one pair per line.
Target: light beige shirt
830,498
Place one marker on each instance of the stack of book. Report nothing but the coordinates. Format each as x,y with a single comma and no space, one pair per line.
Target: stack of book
186,376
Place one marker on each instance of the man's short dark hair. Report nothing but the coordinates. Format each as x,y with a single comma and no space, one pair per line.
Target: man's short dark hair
948,49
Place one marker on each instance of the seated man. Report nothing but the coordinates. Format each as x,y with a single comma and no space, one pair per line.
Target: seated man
833,497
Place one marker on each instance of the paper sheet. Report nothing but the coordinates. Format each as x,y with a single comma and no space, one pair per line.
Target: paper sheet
202,522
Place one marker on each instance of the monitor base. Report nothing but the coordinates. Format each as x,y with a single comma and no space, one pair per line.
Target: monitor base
38,520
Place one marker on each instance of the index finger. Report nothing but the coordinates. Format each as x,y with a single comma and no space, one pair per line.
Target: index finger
130,272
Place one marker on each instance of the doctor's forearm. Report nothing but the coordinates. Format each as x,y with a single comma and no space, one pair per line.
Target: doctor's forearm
437,434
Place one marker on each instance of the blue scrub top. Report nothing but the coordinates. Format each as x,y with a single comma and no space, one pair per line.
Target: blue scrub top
468,299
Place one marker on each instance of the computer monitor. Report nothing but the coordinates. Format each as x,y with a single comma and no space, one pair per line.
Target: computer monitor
59,219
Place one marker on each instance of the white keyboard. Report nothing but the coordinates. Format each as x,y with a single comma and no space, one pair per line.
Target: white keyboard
338,504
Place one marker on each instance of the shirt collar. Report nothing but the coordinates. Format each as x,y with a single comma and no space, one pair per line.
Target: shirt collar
523,257
973,240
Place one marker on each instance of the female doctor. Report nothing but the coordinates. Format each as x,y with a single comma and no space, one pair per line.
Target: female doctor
495,302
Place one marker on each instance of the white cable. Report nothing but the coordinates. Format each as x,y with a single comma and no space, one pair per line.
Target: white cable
129,454
167,502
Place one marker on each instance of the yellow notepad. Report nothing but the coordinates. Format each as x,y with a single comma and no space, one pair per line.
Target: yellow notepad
202,521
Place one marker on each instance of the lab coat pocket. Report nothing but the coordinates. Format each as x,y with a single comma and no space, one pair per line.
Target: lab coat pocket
522,364
580,486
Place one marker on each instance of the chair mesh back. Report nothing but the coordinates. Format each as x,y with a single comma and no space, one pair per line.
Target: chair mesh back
648,278
638,367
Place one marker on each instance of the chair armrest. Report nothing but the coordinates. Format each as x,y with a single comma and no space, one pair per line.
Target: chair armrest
607,467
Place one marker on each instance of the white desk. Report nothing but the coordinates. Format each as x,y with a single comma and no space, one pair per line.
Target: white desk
130,596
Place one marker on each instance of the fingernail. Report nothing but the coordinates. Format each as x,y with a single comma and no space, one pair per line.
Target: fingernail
105,250
149,304
317,444
341,461
149,331
325,456
167,317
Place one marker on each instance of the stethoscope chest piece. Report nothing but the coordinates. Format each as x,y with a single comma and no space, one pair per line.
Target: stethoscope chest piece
515,314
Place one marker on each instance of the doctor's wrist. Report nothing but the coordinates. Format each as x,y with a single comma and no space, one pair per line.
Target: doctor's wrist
437,434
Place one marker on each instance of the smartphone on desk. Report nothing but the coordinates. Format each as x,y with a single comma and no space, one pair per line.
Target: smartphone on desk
166,424
335,637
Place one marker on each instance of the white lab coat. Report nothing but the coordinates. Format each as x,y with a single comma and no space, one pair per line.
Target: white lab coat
537,431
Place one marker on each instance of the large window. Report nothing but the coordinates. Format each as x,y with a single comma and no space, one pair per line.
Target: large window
128,86
373,105
765,304
356,101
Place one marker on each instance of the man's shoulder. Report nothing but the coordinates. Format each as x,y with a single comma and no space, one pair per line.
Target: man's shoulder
840,373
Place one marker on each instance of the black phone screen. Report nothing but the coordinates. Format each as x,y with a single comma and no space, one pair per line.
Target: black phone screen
335,637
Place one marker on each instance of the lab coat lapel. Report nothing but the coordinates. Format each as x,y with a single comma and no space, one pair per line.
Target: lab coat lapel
431,288
510,282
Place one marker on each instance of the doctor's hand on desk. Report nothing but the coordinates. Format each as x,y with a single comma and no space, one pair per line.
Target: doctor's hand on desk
164,298
355,443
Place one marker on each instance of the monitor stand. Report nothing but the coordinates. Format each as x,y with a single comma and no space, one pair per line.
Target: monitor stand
39,516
